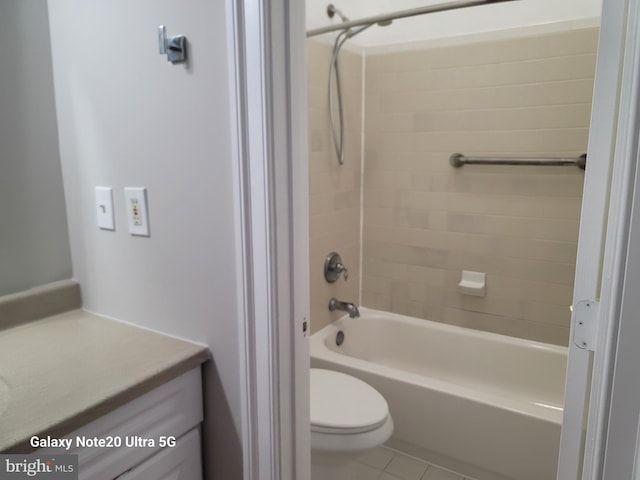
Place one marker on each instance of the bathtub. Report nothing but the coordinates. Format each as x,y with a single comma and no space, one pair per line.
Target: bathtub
485,405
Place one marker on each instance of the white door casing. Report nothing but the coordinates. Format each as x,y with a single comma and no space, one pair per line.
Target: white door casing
618,421
269,103
600,273
591,239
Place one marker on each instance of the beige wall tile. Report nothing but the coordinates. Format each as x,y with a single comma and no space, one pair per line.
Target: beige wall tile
562,92
334,200
490,183
510,205
561,44
472,142
425,222
522,72
491,119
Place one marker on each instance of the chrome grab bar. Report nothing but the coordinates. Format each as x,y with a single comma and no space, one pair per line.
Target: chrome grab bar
457,160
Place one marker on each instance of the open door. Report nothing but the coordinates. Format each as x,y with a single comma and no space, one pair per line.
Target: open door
587,444
620,432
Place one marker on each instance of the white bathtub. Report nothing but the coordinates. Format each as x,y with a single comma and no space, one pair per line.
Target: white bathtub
486,405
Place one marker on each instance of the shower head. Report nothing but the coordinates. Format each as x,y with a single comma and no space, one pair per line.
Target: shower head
332,10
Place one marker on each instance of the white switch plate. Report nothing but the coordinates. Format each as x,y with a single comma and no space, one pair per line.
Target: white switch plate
104,208
137,212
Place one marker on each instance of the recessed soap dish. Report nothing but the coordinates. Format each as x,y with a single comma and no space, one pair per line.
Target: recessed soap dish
473,283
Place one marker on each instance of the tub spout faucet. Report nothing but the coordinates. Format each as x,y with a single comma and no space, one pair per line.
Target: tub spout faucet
350,308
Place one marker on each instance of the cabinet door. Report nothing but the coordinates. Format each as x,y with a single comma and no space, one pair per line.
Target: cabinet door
181,462
171,409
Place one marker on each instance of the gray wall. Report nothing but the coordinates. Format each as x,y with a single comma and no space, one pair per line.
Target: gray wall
129,118
34,243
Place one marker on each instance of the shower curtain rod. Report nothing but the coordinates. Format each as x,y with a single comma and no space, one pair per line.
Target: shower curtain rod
401,14
457,160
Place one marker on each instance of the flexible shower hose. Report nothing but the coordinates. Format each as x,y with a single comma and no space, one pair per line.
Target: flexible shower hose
338,136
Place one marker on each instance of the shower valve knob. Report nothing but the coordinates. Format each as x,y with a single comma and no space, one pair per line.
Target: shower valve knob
333,268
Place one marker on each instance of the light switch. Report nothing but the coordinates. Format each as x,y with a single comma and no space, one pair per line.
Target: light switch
137,212
104,208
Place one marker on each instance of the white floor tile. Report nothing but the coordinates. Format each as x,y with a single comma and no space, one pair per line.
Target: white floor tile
435,473
387,464
406,468
359,471
387,476
378,458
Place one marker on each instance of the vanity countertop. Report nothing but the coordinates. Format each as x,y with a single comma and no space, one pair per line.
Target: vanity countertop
61,372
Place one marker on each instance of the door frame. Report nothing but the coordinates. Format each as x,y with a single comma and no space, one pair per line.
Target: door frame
269,98
591,447
614,421
588,373
268,108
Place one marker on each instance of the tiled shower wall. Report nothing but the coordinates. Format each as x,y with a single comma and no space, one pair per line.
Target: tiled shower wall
334,190
425,222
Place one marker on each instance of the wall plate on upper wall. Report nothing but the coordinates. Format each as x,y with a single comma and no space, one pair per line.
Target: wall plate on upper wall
137,211
104,208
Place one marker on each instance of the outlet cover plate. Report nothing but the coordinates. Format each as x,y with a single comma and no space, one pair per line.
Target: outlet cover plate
104,208
137,210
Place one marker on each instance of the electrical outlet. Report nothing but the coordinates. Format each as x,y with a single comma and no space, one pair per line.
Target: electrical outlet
136,217
137,212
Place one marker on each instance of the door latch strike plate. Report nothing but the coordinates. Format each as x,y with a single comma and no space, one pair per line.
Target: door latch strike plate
585,316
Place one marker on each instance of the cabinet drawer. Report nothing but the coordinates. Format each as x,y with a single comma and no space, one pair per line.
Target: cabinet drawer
181,462
169,410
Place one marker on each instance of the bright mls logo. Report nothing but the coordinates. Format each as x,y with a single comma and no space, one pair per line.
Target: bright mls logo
51,467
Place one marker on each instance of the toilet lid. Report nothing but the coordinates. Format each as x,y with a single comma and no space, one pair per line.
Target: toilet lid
345,404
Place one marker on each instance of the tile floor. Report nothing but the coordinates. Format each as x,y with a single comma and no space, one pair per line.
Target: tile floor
386,464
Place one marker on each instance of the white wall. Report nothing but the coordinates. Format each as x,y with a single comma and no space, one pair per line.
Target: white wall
129,118
463,22
34,244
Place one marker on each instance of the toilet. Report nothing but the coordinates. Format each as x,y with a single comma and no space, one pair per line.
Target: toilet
348,417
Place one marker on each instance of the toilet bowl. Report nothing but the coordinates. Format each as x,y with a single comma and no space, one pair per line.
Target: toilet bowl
348,417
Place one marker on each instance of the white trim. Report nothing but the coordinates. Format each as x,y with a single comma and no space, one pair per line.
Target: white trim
619,413
606,445
269,104
298,129
617,234
235,113
287,54
259,435
573,462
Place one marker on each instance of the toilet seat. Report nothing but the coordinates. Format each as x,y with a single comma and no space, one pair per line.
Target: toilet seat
342,404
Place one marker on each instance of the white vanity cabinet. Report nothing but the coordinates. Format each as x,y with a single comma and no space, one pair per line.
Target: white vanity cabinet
181,462
161,427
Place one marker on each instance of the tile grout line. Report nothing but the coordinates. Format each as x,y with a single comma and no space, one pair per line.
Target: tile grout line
362,164
429,465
